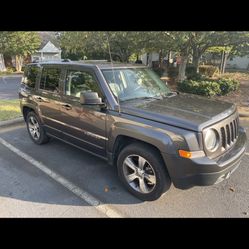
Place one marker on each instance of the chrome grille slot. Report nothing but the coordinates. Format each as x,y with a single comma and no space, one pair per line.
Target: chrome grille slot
229,133
223,137
232,132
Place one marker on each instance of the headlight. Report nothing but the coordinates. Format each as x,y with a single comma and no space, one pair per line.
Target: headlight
211,139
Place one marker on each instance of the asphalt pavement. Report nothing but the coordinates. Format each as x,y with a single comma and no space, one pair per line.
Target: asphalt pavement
9,86
27,191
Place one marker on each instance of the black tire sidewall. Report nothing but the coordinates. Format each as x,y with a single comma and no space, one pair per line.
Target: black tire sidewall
163,181
43,137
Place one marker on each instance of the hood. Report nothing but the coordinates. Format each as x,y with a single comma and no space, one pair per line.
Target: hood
187,111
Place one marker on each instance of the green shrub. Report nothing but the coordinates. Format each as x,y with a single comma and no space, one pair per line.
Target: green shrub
228,85
10,69
208,70
207,88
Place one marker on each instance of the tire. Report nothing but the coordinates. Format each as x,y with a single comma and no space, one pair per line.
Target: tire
35,129
149,180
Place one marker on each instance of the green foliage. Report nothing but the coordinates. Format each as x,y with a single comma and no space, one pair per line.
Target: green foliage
208,70
209,87
21,43
92,44
228,85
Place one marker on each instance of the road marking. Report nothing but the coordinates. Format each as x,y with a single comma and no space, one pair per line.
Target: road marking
101,207
247,153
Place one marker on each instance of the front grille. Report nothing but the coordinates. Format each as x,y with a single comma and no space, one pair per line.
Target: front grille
229,133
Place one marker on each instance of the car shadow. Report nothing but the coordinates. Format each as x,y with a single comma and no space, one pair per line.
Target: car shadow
22,180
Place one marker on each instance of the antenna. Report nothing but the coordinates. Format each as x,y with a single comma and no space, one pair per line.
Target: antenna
113,74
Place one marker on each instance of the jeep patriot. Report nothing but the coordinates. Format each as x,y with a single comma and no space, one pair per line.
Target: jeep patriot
127,116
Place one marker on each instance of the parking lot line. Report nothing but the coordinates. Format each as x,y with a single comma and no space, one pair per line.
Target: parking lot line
101,207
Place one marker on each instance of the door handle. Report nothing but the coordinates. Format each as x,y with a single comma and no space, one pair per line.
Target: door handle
66,106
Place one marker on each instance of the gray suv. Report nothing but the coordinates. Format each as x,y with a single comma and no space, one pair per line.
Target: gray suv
127,116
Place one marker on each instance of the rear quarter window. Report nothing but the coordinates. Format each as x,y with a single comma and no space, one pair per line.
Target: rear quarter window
30,76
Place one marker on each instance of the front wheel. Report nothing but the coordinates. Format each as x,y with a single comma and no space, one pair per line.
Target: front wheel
35,130
143,172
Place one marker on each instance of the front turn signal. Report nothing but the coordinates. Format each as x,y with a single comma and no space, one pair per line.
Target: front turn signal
185,154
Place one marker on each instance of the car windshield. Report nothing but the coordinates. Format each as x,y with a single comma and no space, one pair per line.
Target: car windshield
135,83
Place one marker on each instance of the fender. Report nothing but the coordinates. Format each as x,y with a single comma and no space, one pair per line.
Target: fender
151,135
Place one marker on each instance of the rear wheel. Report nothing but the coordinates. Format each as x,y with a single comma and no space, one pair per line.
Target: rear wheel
143,172
35,130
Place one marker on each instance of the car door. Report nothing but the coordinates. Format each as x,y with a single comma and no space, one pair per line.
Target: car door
48,98
84,125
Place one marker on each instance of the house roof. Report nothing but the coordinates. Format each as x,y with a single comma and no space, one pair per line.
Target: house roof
49,48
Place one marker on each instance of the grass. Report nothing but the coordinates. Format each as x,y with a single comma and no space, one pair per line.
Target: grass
9,109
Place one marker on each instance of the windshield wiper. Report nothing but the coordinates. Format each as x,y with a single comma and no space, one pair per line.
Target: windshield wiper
153,97
170,94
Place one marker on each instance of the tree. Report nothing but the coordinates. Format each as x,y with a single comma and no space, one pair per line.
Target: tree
20,44
122,44
231,44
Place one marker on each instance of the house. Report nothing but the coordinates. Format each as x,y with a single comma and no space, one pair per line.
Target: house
47,52
238,62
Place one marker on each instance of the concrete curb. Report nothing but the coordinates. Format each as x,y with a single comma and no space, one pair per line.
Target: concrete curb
11,122
244,114
11,76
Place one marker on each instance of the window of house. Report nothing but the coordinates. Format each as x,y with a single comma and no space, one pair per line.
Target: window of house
79,81
30,75
50,79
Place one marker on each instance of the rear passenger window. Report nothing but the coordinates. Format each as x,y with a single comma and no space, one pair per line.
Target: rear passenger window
50,79
30,75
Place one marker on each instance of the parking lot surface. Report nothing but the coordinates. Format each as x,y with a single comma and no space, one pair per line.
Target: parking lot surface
95,190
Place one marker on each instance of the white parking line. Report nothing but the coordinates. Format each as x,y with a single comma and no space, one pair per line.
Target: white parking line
103,208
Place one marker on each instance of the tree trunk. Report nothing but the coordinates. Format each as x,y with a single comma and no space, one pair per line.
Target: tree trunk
182,68
196,59
225,62
222,62
160,58
147,59
19,61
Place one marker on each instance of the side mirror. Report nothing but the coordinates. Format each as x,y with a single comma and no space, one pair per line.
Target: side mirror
90,98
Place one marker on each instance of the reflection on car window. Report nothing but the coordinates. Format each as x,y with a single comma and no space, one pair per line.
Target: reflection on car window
80,81
30,75
132,83
50,79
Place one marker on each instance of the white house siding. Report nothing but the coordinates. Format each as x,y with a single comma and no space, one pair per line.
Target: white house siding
152,57
238,63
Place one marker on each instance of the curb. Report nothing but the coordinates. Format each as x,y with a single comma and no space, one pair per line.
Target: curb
244,114
11,122
11,76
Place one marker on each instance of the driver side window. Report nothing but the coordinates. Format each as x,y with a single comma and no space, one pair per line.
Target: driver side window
80,81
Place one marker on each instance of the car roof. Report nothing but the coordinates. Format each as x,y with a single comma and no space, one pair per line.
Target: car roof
98,63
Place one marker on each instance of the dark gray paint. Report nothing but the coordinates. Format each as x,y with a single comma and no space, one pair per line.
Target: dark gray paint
169,124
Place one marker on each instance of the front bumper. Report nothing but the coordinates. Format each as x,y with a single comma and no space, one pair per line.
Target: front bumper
186,173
